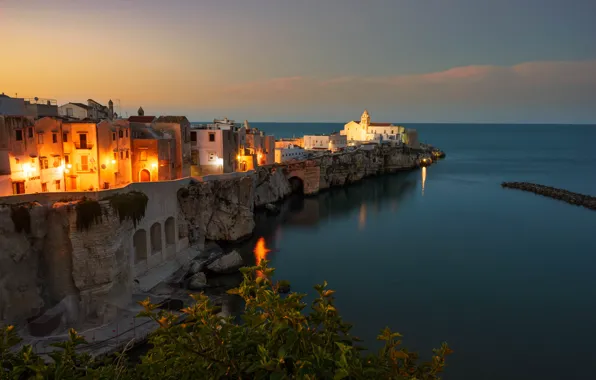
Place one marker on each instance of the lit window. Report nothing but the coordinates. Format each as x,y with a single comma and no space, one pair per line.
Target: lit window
84,163
115,155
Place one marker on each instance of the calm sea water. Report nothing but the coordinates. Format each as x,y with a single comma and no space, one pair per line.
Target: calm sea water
507,278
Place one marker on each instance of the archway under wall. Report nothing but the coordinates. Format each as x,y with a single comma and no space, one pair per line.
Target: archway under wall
170,226
156,244
144,175
139,242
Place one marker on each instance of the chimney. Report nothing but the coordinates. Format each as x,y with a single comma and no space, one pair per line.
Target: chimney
110,109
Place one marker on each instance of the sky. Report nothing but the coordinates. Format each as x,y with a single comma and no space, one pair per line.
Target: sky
505,61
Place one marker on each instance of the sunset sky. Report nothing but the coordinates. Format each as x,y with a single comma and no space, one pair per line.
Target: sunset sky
309,60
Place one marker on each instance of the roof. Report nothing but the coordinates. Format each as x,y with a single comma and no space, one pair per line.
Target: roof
381,124
84,106
171,119
141,119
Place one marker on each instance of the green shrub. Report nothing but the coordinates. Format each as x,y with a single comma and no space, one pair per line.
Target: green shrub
131,205
88,213
277,340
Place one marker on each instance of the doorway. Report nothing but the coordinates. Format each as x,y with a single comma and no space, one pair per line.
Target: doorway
145,176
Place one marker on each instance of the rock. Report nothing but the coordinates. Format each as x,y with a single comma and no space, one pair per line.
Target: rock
272,208
196,267
198,281
227,263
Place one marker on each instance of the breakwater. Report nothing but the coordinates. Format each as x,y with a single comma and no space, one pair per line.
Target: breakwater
577,199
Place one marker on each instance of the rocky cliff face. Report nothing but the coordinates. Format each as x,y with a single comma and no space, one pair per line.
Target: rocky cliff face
53,261
271,185
218,210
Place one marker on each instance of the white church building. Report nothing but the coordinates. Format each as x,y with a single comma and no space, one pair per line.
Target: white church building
364,130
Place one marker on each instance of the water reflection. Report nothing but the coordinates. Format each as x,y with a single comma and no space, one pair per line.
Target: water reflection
362,217
423,178
260,252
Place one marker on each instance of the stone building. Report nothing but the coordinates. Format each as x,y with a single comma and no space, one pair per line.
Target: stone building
333,142
50,148
19,164
80,155
179,128
115,153
153,154
365,130
92,110
213,150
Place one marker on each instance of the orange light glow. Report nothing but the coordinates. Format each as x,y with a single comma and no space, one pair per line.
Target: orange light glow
260,252
362,217
113,162
423,178
153,166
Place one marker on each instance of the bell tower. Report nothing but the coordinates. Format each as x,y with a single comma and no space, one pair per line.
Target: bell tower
365,120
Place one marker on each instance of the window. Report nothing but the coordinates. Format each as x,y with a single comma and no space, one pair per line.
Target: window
18,137
211,156
57,183
143,155
113,136
18,188
83,140
194,157
193,136
120,134
115,155
56,162
126,153
40,138
44,187
64,136
66,159
211,137
122,155
54,138
30,133
43,163
85,163
126,133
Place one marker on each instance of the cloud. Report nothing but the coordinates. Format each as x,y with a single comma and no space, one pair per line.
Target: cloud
547,83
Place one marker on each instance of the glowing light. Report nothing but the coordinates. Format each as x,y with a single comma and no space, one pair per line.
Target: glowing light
153,166
238,157
69,166
113,162
362,217
26,167
423,178
66,171
219,161
260,252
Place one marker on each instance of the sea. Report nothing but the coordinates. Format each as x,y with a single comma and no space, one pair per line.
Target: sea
507,278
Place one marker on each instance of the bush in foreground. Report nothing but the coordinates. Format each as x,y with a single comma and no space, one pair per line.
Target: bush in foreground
277,340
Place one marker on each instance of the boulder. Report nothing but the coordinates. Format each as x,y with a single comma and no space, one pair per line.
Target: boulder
227,263
198,281
196,267
271,208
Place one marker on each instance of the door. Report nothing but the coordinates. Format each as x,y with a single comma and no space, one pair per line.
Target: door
145,176
18,188
73,183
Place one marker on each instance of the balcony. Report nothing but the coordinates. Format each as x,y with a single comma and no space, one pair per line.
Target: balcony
83,145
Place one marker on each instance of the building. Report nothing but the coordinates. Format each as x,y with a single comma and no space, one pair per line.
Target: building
365,130
114,153
224,124
37,108
179,128
11,106
290,153
286,142
333,142
92,110
19,163
50,148
213,150
253,142
79,139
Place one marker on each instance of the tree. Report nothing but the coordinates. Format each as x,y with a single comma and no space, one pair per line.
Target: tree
277,340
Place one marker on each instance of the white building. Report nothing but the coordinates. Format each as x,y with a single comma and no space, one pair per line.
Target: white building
92,110
333,142
213,151
77,111
364,130
290,153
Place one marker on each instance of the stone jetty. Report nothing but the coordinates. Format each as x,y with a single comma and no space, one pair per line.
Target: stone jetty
577,199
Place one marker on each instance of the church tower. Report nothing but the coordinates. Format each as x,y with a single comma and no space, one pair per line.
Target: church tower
365,120
141,111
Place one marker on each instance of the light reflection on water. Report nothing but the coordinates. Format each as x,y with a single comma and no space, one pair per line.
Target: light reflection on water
423,178
362,217
260,252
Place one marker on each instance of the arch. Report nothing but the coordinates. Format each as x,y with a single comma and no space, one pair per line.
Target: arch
139,242
297,185
155,238
144,176
170,231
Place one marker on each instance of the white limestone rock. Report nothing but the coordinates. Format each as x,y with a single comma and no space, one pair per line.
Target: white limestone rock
228,263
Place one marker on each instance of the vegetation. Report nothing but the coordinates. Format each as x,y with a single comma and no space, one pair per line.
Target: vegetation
277,340
88,213
21,218
131,205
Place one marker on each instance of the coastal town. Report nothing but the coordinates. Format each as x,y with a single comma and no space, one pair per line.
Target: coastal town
78,147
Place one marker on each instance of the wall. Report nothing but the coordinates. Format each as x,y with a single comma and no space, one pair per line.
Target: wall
50,152
12,106
210,152
77,112
316,142
145,156
180,131
115,153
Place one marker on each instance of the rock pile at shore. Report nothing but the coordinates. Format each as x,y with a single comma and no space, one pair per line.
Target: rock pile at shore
577,199
217,263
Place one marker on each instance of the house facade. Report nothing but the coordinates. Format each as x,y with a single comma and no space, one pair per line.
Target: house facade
290,153
365,130
179,128
213,150
333,142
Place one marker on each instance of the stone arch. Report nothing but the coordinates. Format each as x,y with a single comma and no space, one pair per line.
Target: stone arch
170,226
139,242
144,175
156,238
297,185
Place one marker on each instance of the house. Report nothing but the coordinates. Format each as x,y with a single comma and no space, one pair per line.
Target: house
365,130
19,163
290,153
333,142
114,153
79,140
92,110
179,128
50,147
37,108
153,152
11,106
213,150
285,142
253,142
